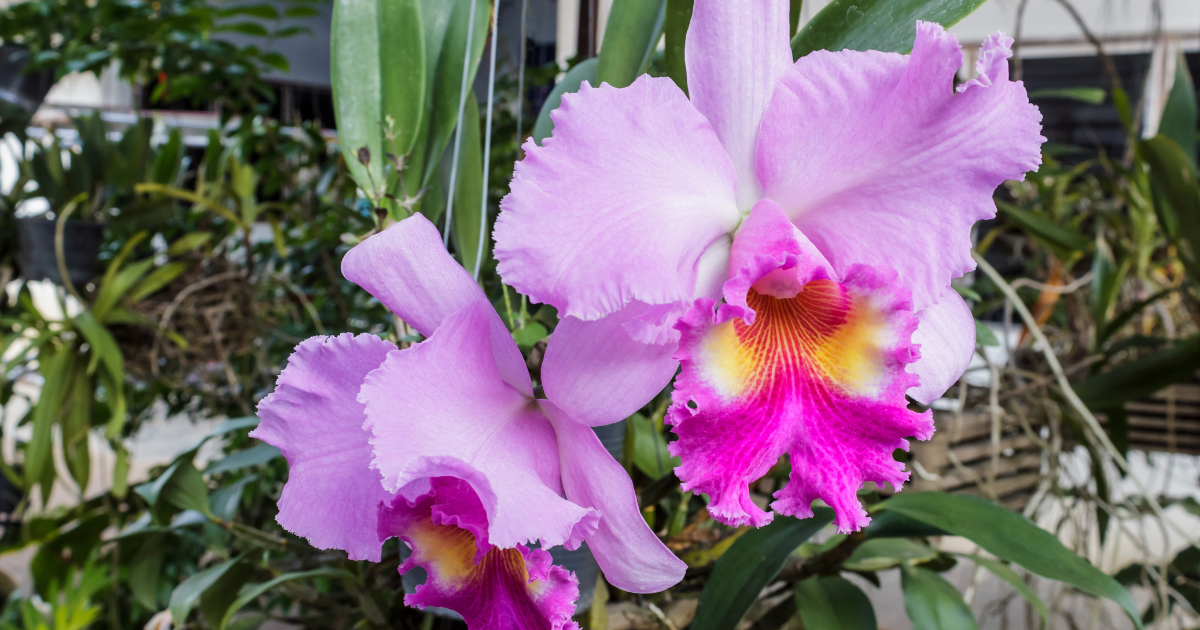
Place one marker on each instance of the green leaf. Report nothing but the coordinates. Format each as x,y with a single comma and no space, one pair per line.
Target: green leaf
1175,177
401,34
984,335
584,71
217,598
189,243
1009,536
56,369
301,12
877,554
1094,96
1143,376
679,17
254,456
1179,114
250,593
169,159
357,88
1063,242
185,596
468,196
749,565
632,33
650,453
114,290
1002,571
831,602
1116,323
886,25
967,293
933,603
224,502
245,28
181,486
532,333
157,279
448,88
264,11
144,570
1106,286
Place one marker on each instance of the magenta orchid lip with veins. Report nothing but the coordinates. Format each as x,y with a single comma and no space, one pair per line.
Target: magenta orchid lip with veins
444,445
789,231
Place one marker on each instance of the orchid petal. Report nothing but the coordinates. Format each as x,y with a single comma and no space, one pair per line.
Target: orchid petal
946,336
631,556
313,417
878,162
598,375
408,269
736,51
819,376
440,408
619,205
492,589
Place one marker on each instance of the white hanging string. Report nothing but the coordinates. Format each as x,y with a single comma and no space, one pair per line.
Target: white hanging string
521,72
462,103
487,143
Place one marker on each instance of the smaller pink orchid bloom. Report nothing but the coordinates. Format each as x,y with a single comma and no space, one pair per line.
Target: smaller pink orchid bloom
792,228
444,445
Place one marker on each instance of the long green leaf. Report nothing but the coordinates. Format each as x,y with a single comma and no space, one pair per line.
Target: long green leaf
56,369
1179,114
1063,242
188,593
886,25
832,602
678,18
357,88
1002,571
1009,536
252,593
401,34
157,279
144,568
1175,176
114,290
448,88
468,195
633,29
1118,321
253,456
749,565
932,603
1142,377
586,71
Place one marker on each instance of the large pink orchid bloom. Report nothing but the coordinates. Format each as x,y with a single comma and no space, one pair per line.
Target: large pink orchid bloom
444,445
827,202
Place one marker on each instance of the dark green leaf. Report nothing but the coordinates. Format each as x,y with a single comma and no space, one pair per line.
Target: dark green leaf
224,502
254,456
632,33
1143,376
1063,242
749,565
1002,571
57,372
185,596
1009,536
1094,96
886,25
1111,327
180,486
585,71
895,524
1175,177
933,603
250,593
679,17
469,219
402,71
301,12
877,554
832,602
448,88
143,570
264,11
217,598
1179,114
245,28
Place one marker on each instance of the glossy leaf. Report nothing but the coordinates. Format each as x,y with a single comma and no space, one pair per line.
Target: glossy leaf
650,453
886,25
1143,376
468,196
632,33
749,565
878,554
443,116
932,603
831,602
180,486
675,26
254,456
224,502
1010,536
357,88
1002,571
586,70
1179,114
402,71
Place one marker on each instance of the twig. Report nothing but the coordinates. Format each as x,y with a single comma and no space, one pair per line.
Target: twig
170,312
1060,376
1053,288
312,311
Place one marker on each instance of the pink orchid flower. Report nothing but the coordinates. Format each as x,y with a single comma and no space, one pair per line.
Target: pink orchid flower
444,445
828,202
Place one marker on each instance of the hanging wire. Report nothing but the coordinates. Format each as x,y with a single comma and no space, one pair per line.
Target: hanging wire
462,103
521,72
487,143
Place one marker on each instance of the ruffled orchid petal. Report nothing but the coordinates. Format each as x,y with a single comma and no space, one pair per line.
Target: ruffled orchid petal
598,375
946,337
441,408
585,226
736,51
631,556
773,257
819,376
492,588
408,269
878,162
313,416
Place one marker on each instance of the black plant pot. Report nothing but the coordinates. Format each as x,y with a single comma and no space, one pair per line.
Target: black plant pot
21,93
81,247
